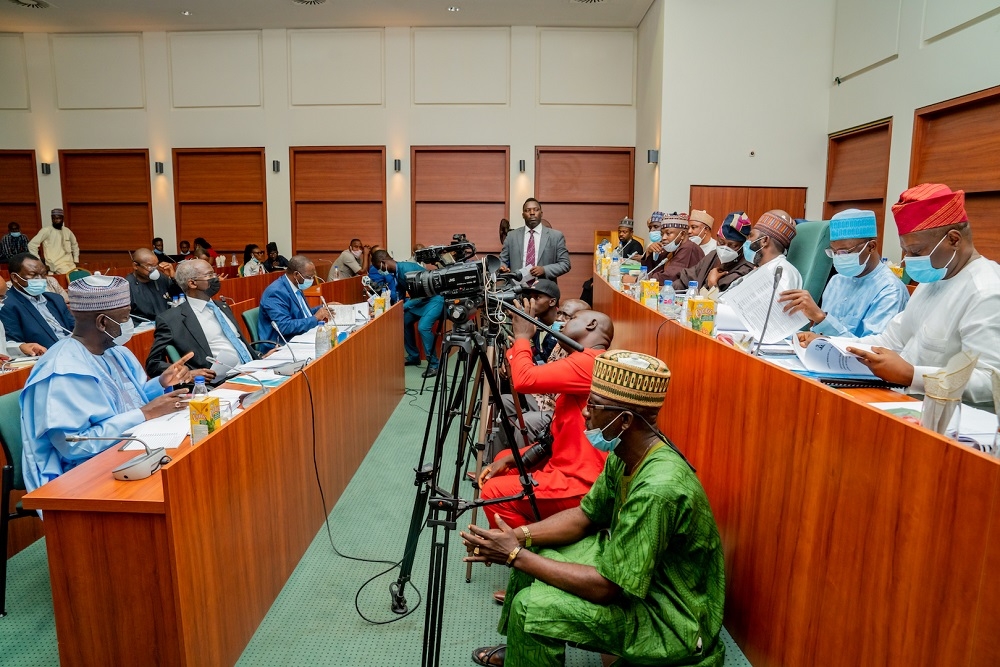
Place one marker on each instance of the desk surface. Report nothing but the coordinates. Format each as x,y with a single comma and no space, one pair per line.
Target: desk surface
851,536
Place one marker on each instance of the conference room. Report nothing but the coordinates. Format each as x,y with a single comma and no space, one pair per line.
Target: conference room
851,534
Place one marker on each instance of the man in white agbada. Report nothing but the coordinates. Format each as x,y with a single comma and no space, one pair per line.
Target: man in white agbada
90,385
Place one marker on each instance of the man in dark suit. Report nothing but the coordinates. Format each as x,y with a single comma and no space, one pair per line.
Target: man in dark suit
30,314
202,325
282,303
534,251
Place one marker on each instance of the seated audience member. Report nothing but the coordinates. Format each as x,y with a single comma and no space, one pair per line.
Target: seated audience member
627,245
956,306
413,258
352,262
253,261
30,314
207,247
161,256
636,570
184,251
725,264
700,225
11,348
675,252
767,244
274,261
864,295
201,253
283,303
150,285
52,285
90,385
12,243
422,311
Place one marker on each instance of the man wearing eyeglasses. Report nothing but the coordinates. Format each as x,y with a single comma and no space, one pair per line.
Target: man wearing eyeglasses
864,295
150,285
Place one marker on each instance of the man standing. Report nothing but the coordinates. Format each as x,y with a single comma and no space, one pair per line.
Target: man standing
204,326
283,304
637,569
90,385
627,245
675,251
956,306
30,314
150,285
58,245
864,295
12,243
352,262
534,251
767,244
700,225
725,264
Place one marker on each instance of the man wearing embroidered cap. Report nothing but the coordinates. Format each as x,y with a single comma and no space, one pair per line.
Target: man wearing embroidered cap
767,244
627,245
700,225
725,264
674,253
58,244
863,296
956,306
637,569
89,384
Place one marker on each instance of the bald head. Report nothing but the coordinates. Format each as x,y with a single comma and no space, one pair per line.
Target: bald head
569,308
591,329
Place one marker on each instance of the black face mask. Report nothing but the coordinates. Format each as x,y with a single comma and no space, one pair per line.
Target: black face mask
214,285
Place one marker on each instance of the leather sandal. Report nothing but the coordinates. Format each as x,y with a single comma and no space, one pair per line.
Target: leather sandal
491,656
500,596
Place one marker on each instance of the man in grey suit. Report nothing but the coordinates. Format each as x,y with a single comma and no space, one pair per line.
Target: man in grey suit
534,251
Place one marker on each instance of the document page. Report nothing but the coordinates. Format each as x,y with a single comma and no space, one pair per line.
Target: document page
750,299
822,356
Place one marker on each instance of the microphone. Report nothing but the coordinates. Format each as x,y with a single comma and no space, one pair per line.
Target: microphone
295,365
767,318
228,299
366,283
139,467
246,400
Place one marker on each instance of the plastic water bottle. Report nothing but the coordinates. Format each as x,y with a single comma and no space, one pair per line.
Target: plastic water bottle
336,273
235,263
667,296
615,270
176,301
322,339
199,387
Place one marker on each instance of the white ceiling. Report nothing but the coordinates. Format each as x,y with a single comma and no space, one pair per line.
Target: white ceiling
155,15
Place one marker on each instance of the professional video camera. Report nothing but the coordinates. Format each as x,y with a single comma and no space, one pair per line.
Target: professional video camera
458,277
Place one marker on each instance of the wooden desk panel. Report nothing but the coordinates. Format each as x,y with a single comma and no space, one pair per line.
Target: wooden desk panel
851,537
346,290
241,289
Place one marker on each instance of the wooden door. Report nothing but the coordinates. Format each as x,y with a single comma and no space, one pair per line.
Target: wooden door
721,200
19,192
220,194
857,171
338,193
582,190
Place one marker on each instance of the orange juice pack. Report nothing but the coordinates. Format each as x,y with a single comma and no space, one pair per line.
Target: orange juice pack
206,417
701,314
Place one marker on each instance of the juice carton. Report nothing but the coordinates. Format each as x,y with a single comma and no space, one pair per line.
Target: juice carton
206,417
701,314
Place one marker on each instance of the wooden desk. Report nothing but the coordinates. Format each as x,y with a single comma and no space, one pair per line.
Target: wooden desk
346,290
180,568
241,289
851,537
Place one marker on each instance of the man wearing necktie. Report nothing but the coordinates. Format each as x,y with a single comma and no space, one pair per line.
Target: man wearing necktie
534,251
284,305
201,325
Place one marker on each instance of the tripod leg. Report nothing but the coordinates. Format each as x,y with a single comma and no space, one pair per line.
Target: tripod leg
434,618
485,424
397,589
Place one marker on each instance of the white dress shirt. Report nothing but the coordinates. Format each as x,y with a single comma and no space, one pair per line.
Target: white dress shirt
709,245
217,341
790,276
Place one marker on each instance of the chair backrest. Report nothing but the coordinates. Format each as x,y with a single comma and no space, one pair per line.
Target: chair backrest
172,354
76,274
807,254
250,317
10,434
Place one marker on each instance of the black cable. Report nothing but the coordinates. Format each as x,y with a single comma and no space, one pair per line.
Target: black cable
656,353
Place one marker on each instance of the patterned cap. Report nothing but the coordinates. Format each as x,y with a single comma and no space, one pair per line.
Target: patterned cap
94,293
675,220
927,206
703,217
736,227
853,224
627,222
656,217
778,225
57,211
630,378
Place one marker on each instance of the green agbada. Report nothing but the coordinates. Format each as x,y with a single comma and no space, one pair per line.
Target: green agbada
659,543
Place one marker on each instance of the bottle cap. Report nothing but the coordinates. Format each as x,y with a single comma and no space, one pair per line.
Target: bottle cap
199,379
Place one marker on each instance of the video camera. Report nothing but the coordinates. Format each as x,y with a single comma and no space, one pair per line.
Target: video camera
458,277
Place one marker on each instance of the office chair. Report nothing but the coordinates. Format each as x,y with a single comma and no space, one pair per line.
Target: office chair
12,480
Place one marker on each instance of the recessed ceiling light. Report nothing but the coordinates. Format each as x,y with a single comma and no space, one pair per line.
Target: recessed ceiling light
185,13
31,4
454,9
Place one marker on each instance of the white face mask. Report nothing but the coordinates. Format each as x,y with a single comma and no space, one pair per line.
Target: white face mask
695,239
125,331
726,254
154,274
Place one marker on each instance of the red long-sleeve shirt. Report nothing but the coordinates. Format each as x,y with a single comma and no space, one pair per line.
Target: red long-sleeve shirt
575,463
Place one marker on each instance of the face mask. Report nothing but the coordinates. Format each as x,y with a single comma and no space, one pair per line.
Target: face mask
749,252
850,265
557,326
214,285
356,253
125,331
656,236
673,245
35,286
15,234
597,439
695,239
921,270
154,274
306,284
726,254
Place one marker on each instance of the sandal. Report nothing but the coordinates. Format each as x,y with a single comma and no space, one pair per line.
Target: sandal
485,655
500,596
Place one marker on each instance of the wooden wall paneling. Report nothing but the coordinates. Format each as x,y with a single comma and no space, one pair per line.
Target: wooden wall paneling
762,200
984,216
107,196
19,191
221,194
578,222
857,171
338,193
719,201
480,222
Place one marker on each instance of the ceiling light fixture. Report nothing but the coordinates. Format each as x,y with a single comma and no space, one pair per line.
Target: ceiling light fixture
185,13
454,9
31,4
309,2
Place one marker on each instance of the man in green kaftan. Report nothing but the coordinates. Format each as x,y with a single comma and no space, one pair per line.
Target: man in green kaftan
635,571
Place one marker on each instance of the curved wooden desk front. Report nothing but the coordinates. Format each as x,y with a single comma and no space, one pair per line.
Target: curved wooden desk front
851,537
180,568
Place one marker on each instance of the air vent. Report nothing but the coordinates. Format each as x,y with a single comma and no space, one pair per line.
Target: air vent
30,4
301,2
587,2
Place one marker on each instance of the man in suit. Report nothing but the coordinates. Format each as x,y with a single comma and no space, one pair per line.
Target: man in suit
282,303
201,325
534,251
150,285
30,314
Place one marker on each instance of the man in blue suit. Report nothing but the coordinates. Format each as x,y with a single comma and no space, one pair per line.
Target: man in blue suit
30,314
283,303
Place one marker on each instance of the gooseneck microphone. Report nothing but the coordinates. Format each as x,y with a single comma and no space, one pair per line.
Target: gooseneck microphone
770,304
295,365
284,340
247,399
139,467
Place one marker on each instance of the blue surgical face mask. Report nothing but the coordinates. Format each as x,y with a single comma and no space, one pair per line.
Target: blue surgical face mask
672,246
850,265
597,439
306,282
556,326
655,236
749,253
35,286
920,268
15,234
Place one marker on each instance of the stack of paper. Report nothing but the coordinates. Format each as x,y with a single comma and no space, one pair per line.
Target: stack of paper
751,300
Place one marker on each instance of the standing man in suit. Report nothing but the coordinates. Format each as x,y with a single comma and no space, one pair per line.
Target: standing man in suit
282,303
534,251
30,314
201,325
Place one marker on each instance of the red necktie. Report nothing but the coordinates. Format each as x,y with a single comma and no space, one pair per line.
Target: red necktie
529,259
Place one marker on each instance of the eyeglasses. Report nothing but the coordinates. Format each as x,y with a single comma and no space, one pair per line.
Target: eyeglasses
146,267
830,252
207,276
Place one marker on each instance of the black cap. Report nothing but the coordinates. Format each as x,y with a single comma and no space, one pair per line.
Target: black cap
543,286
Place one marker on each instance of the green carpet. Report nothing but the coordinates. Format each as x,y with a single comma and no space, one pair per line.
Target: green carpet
313,621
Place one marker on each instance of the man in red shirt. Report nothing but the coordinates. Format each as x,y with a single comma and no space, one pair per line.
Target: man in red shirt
574,465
